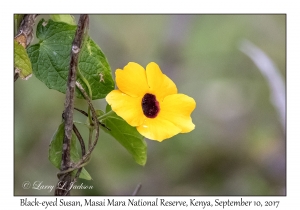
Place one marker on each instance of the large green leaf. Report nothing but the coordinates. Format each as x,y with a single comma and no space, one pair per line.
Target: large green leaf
50,60
21,61
55,150
127,136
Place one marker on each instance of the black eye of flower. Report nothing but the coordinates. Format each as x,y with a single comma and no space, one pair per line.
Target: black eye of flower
150,106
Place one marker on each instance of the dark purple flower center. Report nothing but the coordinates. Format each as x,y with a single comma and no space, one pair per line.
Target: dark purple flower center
150,105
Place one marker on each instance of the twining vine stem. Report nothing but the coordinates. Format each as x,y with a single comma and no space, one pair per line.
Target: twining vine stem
96,123
85,158
64,185
82,145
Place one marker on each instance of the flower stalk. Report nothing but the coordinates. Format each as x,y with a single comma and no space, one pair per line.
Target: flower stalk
104,116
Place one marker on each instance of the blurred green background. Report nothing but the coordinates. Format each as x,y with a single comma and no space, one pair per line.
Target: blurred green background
239,144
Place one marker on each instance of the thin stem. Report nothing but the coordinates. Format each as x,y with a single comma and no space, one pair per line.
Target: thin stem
105,115
85,82
89,109
96,122
90,136
86,114
75,167
137,189
90,94
81,111
81,123
79,137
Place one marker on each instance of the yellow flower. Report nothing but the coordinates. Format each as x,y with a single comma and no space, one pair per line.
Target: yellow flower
148,100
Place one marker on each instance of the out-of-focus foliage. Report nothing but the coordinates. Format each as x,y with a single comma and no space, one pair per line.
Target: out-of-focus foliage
22,63
238,146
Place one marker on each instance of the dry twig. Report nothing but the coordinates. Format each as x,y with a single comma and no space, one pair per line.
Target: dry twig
64,185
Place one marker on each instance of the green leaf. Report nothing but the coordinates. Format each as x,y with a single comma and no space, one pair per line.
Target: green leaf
64,18
85,175
95,69
22,62
55,151
50,60
127,136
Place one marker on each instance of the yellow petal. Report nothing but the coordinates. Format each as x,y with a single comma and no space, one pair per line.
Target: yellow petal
159,83
132,80
177,108
127,107
158,129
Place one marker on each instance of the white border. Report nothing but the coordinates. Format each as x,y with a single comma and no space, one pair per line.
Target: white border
255,6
